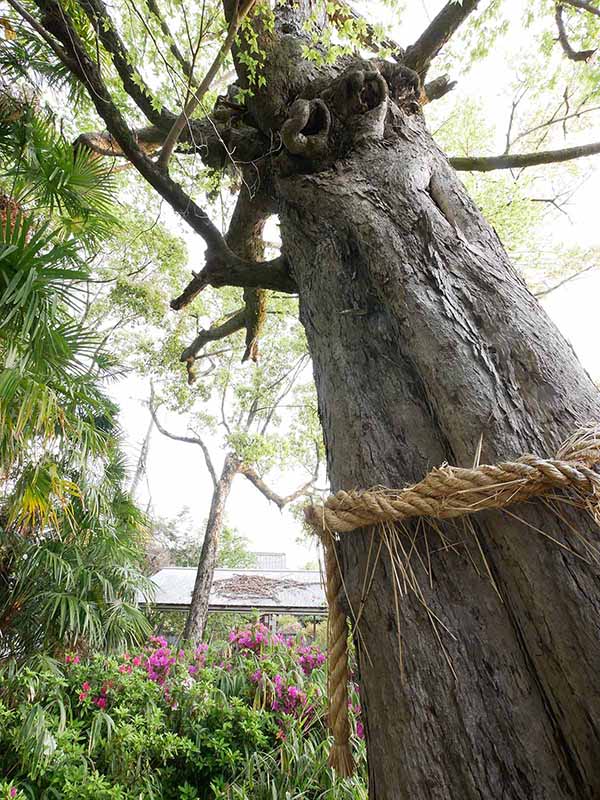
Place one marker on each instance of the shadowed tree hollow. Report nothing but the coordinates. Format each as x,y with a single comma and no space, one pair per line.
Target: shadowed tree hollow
427,347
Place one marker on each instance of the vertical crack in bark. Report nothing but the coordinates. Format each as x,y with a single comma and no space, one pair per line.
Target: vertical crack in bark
570,762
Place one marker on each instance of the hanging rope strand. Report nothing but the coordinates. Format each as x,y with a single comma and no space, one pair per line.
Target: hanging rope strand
340,757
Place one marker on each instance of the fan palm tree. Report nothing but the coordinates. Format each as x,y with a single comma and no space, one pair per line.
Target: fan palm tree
69,534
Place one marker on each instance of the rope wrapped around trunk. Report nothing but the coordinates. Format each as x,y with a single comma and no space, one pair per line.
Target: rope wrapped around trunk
445,492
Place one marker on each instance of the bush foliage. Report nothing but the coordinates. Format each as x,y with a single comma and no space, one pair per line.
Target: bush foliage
246,720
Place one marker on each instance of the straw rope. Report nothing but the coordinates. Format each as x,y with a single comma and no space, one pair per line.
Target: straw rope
340,757
444,493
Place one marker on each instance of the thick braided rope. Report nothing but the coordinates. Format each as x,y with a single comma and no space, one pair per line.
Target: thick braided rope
444,493
448,492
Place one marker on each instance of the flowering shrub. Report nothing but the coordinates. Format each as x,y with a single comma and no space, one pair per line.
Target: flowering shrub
250,640
310,658
172,723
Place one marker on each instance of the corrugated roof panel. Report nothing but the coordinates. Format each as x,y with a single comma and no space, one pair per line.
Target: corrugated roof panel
244,589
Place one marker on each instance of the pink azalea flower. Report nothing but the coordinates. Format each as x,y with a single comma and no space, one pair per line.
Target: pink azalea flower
13,791
360,731
85,686
125,668
136,661
82,696
100,702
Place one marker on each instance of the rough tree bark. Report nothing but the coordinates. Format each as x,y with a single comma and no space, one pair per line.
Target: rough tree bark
424,339
196,619
425,342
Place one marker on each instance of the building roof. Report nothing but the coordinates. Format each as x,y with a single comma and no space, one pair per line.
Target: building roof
281,590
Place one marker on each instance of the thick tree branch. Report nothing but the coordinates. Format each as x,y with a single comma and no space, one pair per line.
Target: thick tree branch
216,143
132,82
574,55
245,238
187,439
420,54
226,269
585,5
215,333
520,160
243,7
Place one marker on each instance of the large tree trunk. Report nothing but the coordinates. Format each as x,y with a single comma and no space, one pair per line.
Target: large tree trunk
196,619
424,339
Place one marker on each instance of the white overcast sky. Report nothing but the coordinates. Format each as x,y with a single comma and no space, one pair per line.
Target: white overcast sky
177,476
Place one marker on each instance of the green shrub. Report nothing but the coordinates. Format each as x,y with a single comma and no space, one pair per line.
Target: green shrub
243,722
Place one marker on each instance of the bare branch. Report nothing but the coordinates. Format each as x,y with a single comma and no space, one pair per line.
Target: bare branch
196,99
292,374
574,55
555,120
585,5
568,279
141,468
515,105
520,160
223,398
196,439
420,54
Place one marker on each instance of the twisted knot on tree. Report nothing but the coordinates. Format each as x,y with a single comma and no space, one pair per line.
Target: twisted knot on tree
445,493
352,110
306,131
